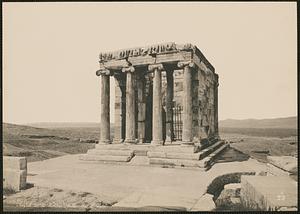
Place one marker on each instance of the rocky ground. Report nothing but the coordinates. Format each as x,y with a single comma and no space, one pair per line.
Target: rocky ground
54,197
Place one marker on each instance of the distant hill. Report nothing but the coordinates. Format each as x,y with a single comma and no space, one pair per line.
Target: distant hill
43,143
283,123
64,125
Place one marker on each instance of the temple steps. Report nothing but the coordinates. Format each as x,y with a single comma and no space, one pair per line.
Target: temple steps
203,159
205,152
108,158
109,153
173,155
209,160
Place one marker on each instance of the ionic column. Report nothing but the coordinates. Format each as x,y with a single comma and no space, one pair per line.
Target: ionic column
187,119
141,108
119,105
104,107
157,135
169,106
130,105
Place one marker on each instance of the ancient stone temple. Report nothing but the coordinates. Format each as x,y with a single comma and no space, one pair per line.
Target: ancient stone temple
166,102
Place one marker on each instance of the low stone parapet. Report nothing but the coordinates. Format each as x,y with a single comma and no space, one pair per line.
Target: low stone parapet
14,172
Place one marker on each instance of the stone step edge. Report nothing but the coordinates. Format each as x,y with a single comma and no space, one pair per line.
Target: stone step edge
111,152
210,149
205,163
184,155
105,158
164,162
209,160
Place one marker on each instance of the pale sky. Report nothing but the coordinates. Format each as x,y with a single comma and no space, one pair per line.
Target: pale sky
50,54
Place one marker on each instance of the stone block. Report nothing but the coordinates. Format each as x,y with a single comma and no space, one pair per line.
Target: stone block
89,157
268,192
177,148
14,179
233,186
111,146
205,203
110,152
16,163
176,162
174,155
287,163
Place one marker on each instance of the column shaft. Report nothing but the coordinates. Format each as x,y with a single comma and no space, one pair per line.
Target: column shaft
169,106
130,110
141,109
187,106
118,112
104,110
157,135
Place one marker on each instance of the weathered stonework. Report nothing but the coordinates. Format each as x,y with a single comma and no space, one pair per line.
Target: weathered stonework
164,94
164,76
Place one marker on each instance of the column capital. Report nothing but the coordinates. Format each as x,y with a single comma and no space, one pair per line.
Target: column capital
128,69
152,67
103,72
182,64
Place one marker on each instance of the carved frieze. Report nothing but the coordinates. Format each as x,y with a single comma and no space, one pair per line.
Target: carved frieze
143,51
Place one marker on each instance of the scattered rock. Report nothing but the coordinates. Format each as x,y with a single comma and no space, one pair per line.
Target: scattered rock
46,197
235,200
261,173
230,195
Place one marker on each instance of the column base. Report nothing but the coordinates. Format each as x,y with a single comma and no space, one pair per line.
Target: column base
104,142
157,142
141,141
117,141
131,141
168,141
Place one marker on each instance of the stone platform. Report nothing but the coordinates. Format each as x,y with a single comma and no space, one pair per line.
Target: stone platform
170,155
132,185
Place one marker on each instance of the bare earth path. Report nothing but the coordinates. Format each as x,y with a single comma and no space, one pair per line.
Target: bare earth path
131,185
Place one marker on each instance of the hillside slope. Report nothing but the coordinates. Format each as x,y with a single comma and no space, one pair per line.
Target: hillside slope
282,123
40,143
